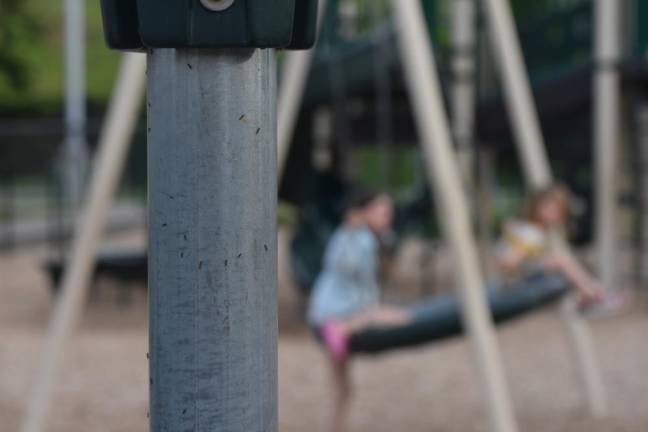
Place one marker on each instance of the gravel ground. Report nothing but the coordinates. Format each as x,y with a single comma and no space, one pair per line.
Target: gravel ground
104,384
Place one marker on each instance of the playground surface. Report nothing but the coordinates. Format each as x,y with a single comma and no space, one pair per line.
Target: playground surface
103,386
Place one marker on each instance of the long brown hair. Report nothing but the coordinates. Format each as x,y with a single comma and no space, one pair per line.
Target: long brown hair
557,192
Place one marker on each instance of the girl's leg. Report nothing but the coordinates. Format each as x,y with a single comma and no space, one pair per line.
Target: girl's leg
588,288
336,333
376,316
593,300
341,394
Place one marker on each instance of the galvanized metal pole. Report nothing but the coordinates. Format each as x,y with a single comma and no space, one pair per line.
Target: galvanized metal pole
445,178
607,112
212,240
463,84
75,153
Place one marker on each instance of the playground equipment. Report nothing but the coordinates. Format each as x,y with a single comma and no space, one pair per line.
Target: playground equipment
463,84
422,80
183,210
212,234
440,318
123,265
442,167
607,124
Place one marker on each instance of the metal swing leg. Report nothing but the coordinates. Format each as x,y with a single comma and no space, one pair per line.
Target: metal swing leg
445,179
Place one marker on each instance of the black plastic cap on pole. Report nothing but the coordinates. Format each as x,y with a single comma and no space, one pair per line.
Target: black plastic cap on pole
138,24
304,25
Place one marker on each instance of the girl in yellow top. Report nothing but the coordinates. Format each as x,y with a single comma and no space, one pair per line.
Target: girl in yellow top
528,246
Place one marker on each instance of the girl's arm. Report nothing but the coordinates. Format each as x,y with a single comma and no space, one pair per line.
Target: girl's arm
510,261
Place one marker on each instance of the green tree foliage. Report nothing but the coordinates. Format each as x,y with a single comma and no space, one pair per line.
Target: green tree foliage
18,29
31,57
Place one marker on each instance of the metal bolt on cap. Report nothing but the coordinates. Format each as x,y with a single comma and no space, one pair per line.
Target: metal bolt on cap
217,5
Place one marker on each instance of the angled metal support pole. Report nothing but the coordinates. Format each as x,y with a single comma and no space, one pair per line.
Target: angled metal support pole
113,148
212,240
445,179
536,167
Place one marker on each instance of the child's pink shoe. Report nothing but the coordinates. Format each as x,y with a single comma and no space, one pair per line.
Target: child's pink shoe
336,340
607,305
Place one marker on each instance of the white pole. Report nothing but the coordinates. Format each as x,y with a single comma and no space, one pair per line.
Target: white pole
113,145
485,192
297,65
607,107
442,167
586,362
75,151
463,83
517,89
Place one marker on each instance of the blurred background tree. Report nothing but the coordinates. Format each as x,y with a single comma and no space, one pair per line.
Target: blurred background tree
18,32
31,57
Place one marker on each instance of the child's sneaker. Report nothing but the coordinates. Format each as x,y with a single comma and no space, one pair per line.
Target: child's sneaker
607,305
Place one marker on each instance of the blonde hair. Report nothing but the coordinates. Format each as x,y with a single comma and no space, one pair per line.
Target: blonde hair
556,192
